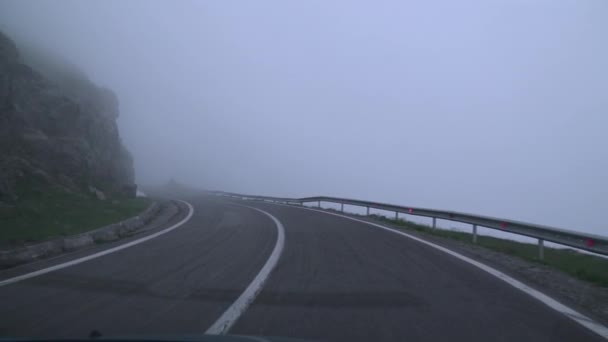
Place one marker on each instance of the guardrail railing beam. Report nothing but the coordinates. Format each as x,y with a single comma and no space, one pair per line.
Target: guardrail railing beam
584,241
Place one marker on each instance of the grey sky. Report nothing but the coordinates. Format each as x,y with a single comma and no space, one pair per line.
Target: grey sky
487,106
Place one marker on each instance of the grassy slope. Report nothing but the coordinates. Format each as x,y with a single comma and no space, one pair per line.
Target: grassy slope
583,266
53,213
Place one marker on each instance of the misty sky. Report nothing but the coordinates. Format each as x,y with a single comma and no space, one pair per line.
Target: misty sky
490,107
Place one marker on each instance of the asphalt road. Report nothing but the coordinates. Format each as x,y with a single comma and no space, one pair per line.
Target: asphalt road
180,282
336,280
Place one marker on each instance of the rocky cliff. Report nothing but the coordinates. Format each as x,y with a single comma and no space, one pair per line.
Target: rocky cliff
57,128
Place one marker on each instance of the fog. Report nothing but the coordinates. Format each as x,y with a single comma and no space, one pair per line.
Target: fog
490,107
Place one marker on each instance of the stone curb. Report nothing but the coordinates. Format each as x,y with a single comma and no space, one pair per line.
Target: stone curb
115,231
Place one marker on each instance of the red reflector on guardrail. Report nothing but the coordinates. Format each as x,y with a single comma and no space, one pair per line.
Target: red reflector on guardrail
410,210
590,242
503,225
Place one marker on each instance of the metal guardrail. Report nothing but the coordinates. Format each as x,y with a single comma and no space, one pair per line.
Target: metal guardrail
588,242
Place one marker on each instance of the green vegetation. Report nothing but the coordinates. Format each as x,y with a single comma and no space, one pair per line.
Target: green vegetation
582,266
40,215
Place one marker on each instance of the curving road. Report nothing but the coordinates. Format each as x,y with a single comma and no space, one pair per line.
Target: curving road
336,279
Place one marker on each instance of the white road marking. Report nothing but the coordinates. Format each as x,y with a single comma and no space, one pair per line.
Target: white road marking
232,314
99,254
550,302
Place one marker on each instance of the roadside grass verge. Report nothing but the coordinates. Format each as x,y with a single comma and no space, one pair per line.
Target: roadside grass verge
55,213
583,266
579,265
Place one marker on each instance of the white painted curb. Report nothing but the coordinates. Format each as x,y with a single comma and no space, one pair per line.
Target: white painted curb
99,254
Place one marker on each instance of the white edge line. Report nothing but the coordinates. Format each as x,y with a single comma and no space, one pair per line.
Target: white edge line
232,314
99,254
548,301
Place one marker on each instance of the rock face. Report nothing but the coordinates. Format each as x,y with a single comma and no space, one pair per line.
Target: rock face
57,127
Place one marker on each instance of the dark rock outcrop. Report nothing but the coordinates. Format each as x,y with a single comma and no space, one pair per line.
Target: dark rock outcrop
57,128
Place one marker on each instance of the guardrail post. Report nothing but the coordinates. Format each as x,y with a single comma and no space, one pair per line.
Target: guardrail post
367,211
474,233
342,207
318,204
396,216
541,249
434,223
